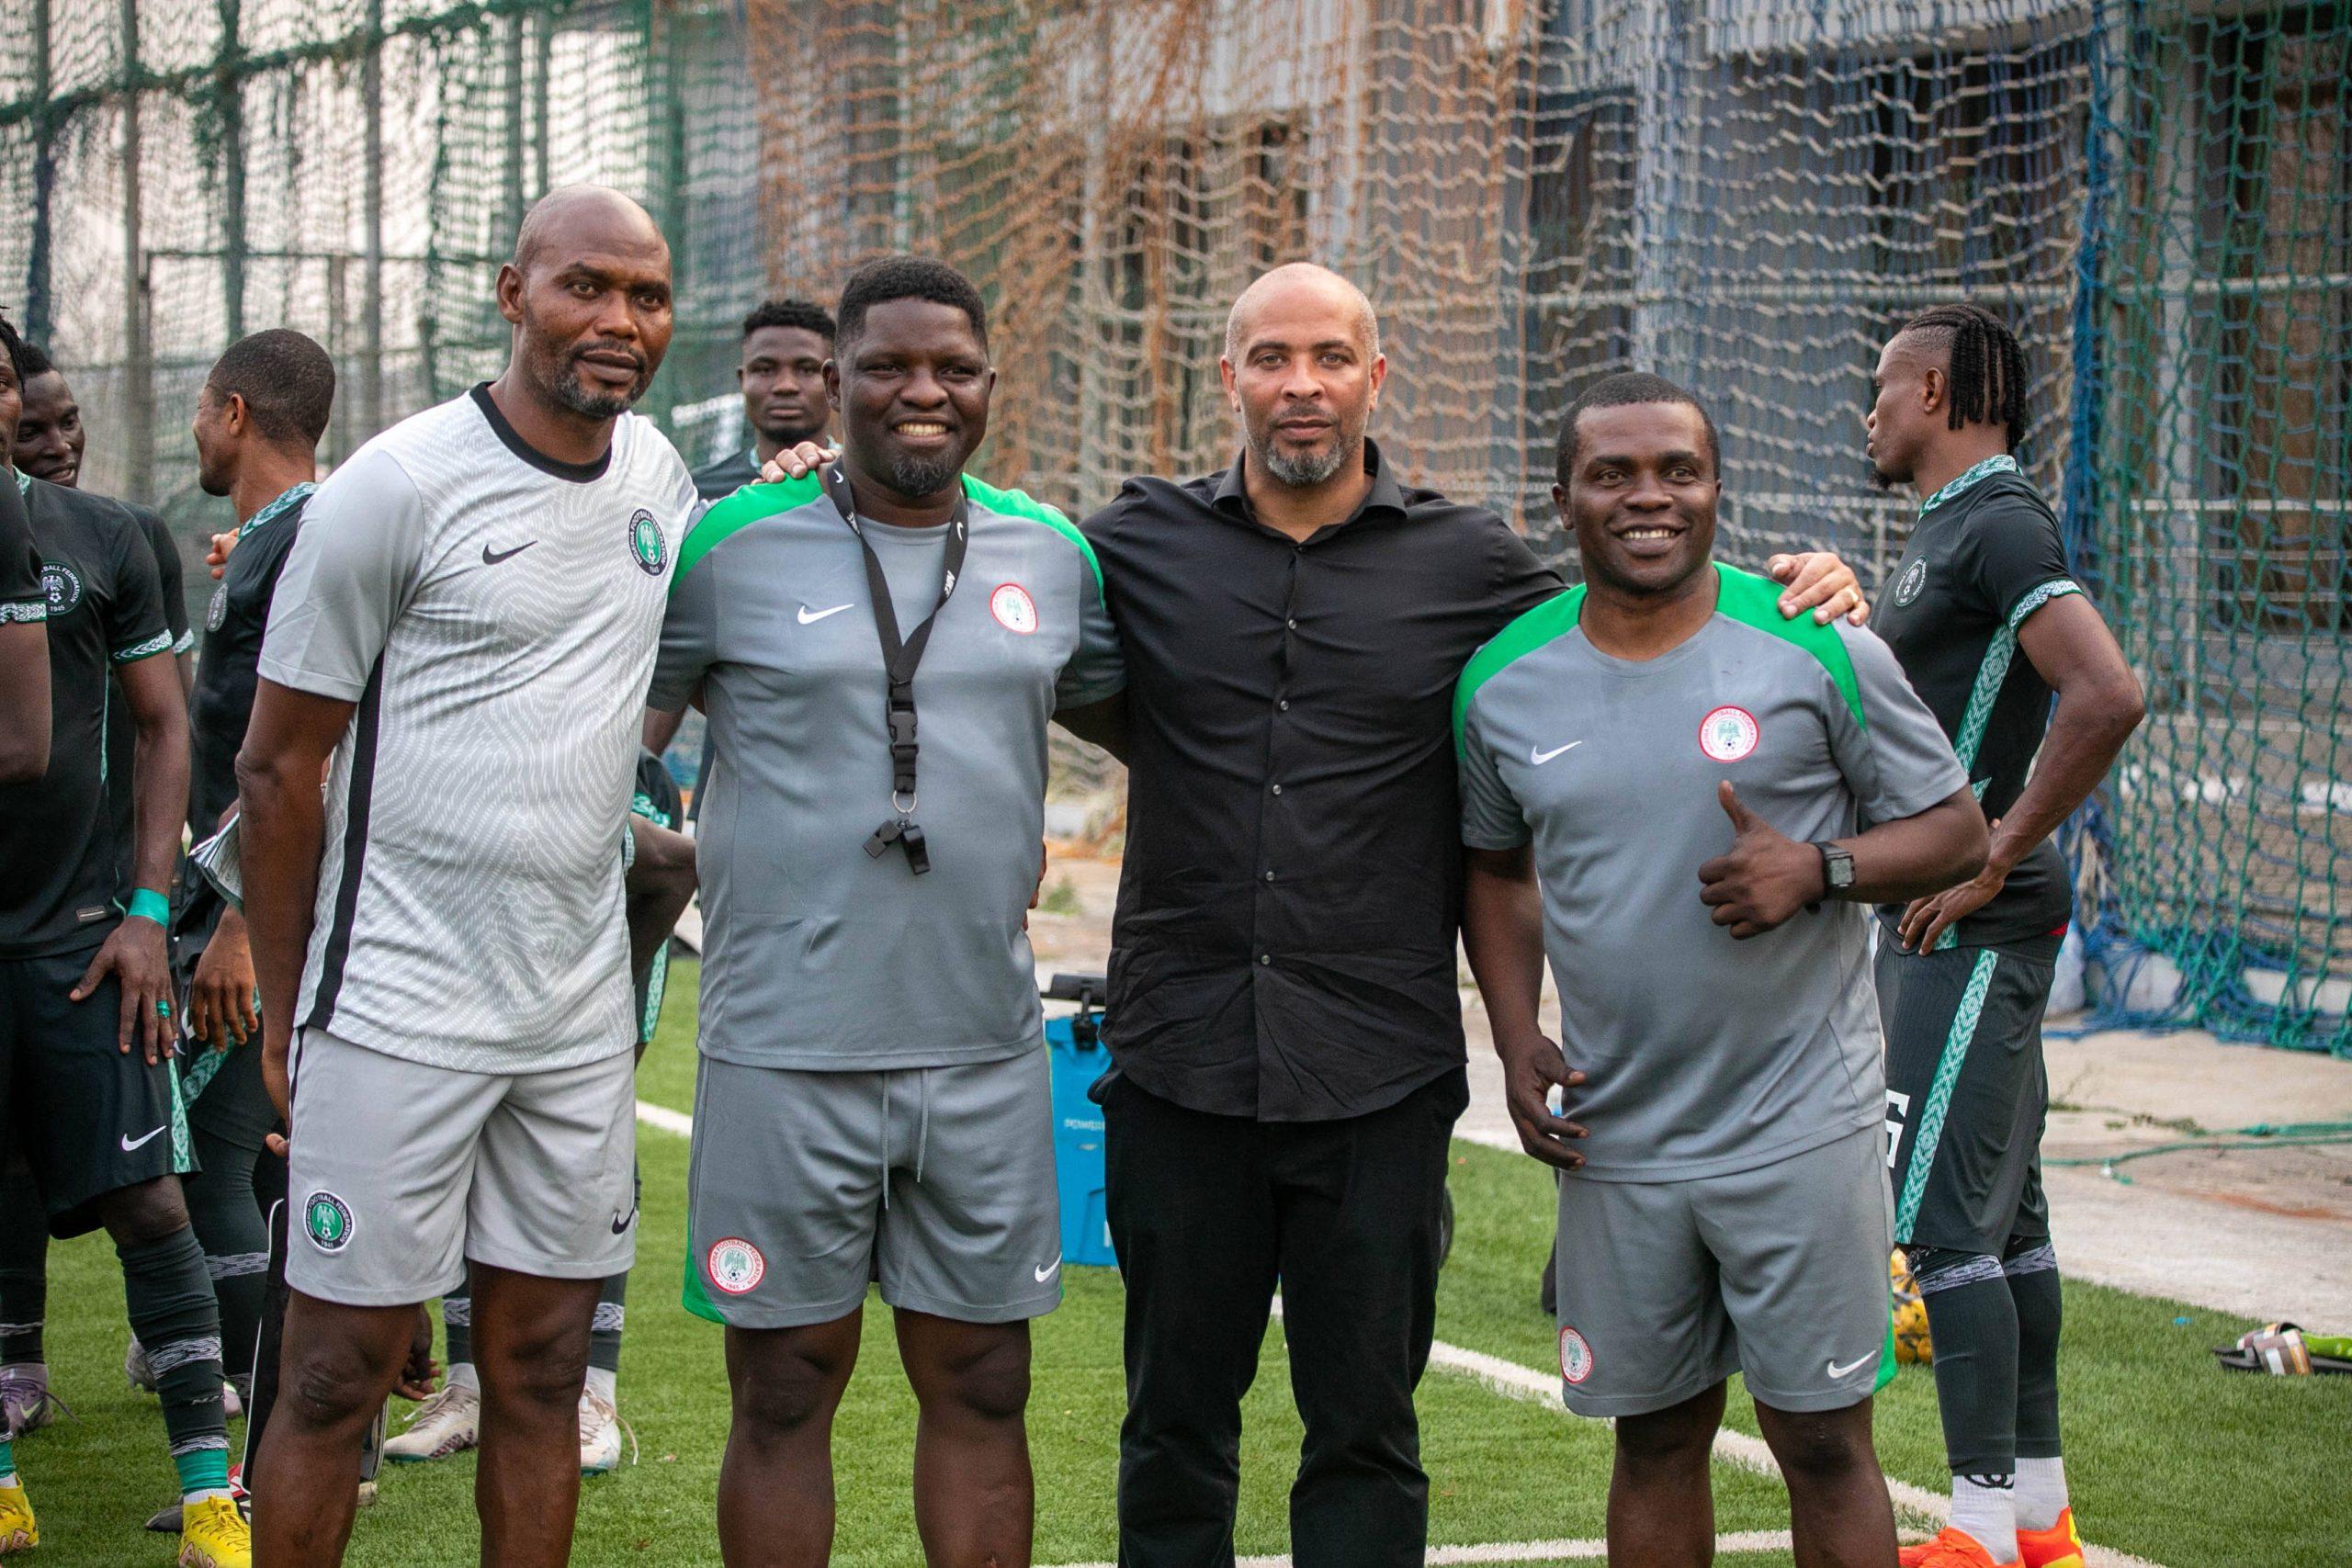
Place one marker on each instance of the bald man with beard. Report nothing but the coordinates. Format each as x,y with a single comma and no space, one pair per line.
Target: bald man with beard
1284,1017
461,640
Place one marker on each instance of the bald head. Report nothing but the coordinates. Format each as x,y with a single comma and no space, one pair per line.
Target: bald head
574,220
1299,289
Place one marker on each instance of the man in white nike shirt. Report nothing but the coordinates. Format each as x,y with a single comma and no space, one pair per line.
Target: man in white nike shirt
466,628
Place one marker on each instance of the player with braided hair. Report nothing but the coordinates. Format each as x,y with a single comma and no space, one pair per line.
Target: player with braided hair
1963,975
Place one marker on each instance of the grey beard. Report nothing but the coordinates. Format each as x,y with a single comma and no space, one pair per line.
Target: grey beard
1306,472
596,405
917,476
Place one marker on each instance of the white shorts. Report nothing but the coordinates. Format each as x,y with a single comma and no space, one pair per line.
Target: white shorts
400,1173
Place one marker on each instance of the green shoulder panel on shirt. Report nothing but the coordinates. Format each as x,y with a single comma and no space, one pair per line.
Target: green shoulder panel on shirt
728,517
1552,619
1021,503
1756,601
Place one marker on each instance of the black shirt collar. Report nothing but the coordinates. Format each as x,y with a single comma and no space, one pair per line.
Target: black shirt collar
1232,499
579,473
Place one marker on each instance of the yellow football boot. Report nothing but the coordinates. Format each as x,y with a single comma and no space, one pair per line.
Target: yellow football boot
18,1532
213,1534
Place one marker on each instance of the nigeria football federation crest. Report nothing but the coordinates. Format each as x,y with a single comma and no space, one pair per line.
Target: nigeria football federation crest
326,1220
647,543
1913,581
62,584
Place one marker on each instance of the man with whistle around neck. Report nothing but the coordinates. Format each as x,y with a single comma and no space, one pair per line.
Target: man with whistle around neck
874,1099
1691,802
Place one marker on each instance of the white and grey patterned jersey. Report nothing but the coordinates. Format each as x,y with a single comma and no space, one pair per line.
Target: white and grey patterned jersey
494,613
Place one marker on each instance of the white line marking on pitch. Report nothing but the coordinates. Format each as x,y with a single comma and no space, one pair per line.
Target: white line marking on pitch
1526,1383
1533,1550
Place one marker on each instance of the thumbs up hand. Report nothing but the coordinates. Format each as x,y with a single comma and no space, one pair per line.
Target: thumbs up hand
1764,879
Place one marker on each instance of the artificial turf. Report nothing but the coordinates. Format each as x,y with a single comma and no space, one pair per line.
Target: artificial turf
2170,1460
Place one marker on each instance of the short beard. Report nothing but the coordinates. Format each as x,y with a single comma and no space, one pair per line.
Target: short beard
1306,473
915,477
569,391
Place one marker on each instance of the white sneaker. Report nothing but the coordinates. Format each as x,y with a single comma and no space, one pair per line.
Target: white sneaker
445,1424
600,1435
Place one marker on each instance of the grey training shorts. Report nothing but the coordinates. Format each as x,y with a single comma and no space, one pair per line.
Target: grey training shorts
937,1182
1667,1288
399,1172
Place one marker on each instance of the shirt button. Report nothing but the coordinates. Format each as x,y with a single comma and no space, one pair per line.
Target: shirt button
1291,624
1265,958
1283,704
1270,876
1278,789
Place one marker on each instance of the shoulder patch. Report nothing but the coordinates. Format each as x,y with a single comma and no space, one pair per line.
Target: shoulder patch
728,517
1021,503
1755,602
1552,619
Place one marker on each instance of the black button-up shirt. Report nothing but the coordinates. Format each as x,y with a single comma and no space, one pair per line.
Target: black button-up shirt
1284,941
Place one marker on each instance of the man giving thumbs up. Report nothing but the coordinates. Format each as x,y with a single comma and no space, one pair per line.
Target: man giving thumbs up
1726,1207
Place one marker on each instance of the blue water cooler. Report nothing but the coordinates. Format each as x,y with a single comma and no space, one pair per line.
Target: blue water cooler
1079,1056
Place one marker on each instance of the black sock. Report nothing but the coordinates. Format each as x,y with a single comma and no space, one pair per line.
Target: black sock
2032,1270
604,1336
1974,1326
458,1324
24,1263
235,1237
172,1312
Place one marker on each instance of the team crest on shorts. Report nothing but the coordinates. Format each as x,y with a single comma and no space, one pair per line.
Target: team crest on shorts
1913,581
647,543
326,1220
1729,733
1013,609
1576,1356
62,584
734,1265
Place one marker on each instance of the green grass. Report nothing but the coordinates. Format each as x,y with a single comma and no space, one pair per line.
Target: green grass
2171,1459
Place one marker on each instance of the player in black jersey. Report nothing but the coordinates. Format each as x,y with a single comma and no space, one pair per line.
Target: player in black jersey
24,649
49,442
1988,622
86,1015
259,418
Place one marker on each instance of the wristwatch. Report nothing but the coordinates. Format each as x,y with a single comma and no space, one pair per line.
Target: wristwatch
1836,870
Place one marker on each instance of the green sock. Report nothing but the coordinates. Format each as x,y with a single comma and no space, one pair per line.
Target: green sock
7,1462
202,1469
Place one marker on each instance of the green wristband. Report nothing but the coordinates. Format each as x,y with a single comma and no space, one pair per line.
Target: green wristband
148,905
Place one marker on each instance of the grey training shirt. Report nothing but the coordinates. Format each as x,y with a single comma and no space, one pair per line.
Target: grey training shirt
1704,1056
820,956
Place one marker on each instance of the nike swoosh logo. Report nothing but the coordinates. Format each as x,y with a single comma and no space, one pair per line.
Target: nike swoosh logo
130,1143
807,618
492,558
1540,757
622,1222
1837,1372
1048,1271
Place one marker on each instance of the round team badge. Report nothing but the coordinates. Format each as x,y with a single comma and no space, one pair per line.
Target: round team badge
1729,733
1576,1356
217,610
734,1265
1913,581
62,584
1013,609
326,1220
647,541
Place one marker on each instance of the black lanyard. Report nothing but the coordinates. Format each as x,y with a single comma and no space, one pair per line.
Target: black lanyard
899,659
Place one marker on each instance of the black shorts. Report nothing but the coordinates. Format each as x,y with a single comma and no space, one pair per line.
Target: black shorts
91,1119
225,1096
223,1089
1966,1092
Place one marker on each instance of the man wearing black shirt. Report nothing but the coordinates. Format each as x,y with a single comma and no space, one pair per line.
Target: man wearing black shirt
24,649
259,418
49,445
782,378
1963,976
1283,1012
86,1031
